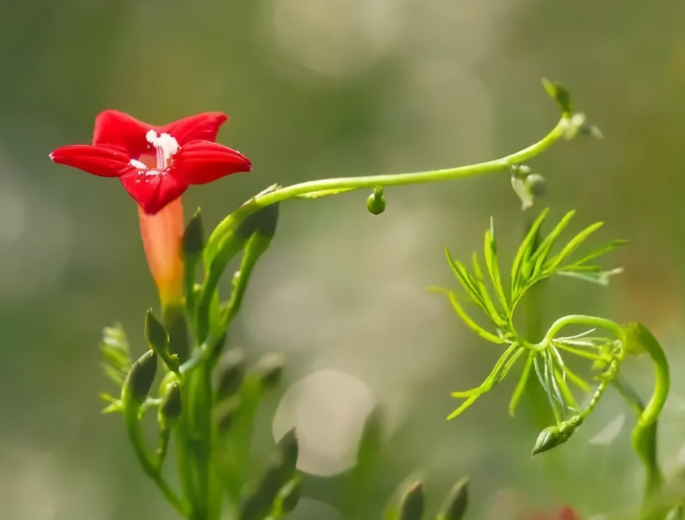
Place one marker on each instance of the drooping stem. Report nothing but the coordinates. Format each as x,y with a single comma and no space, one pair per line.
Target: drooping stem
342,184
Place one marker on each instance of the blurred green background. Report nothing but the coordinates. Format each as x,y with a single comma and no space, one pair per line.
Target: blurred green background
320,88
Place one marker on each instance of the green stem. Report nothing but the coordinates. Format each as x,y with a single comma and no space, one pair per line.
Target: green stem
580,319
202,439
135,434
334,185
644,436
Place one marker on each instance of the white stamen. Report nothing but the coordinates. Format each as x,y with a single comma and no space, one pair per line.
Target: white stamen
137,164
166,147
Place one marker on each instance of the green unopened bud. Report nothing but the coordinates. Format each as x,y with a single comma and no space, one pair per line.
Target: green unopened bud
289,450
376,201
411,507
232,374
227,415
155,333
559,94
269,370
277,475
551,437
194,236
371,440
457,501
139,379
262,222
158,340
170,408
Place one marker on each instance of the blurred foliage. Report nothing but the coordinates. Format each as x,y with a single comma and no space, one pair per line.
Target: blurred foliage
319,89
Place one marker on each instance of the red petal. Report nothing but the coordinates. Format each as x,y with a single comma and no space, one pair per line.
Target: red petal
153,192
201,162
115,128
200,127
104,161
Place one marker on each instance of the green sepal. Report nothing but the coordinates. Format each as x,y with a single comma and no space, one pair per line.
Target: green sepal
457,501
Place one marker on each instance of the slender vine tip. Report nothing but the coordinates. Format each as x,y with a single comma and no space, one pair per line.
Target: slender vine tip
559,94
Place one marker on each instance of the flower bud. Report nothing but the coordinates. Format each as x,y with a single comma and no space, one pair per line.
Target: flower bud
279,472
552,437
171,407
139,379
155,333
289,449
226,416
232,374
376,201
411,507
457,501
269,370
158,340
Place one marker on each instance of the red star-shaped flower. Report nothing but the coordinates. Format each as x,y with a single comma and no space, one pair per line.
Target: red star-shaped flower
155,164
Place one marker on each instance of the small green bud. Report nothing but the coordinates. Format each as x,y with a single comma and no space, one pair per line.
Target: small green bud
226,416
552,437
232,374
269,370
457,501
277,475
559,94
289,450
171,407
376,201
155,333
139,379
411,507
194,236
158,340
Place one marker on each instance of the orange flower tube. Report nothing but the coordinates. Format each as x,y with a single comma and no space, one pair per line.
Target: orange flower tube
162,234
